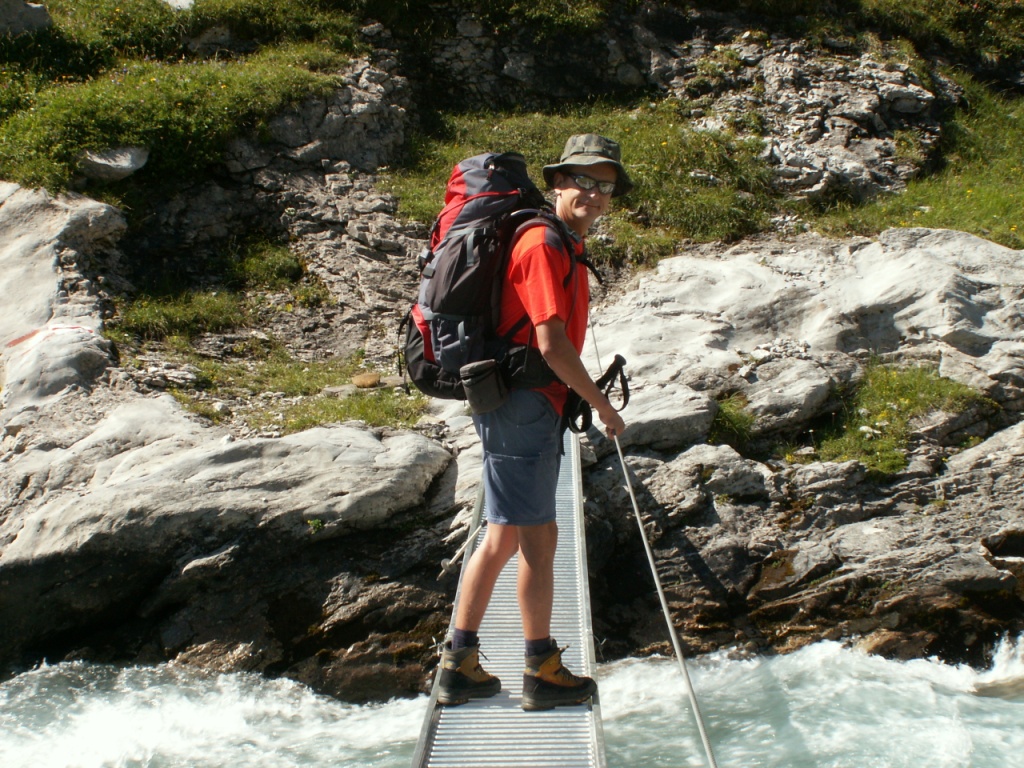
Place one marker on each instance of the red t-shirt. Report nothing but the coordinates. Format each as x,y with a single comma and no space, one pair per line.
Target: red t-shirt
535,285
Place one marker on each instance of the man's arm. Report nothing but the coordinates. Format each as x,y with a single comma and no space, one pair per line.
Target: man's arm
565,361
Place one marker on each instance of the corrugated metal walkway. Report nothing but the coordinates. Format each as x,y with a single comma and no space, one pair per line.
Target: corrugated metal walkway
496,732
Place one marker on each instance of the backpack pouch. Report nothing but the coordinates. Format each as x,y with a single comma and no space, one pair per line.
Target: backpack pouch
484,385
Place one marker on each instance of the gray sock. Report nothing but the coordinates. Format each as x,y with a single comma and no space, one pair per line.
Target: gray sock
464,638
537,647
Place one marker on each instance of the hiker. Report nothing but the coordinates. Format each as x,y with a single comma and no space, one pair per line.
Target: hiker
522,439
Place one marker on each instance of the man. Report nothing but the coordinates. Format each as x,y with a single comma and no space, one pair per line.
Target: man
522,438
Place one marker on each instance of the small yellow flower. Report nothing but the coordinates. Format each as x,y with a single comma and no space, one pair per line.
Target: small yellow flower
1013,228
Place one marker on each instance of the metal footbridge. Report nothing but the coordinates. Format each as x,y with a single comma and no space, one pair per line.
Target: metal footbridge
496,732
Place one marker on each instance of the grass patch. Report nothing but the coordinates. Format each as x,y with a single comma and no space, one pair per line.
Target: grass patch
268,369
728,197
547,19
988,31
179,315
184,113
707,186
109,74
90,36
186,314
267,265
876,424
732,422
273,370
378,408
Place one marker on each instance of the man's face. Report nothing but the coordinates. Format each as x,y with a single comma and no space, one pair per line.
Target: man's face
578,207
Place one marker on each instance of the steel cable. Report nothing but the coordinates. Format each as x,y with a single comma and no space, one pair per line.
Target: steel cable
708,751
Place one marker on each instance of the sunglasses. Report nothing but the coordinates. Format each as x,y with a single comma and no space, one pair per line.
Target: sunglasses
587,183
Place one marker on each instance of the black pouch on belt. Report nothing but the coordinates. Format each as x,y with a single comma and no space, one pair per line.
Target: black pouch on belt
484,385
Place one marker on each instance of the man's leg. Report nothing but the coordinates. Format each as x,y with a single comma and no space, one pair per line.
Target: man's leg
536,584
546,682
462,677
499,544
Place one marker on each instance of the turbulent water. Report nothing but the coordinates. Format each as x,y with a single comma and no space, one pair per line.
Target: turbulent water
823,707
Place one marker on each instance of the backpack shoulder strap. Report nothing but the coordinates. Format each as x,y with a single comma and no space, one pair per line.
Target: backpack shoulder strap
569,240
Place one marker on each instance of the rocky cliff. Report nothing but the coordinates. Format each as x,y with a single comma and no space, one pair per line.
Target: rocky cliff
131,530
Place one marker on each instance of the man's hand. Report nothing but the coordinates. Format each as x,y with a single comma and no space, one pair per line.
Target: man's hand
613,423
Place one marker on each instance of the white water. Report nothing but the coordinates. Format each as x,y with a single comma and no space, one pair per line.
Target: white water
823,707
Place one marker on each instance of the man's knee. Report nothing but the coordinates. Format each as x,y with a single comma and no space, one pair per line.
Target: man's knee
538,542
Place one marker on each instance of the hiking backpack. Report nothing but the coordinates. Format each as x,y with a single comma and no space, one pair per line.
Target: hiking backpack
489,201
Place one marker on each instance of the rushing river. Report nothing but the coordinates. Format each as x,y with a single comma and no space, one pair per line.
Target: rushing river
825,706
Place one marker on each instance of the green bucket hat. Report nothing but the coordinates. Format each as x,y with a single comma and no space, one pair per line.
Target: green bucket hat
591,149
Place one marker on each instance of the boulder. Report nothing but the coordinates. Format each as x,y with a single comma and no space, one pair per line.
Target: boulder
147,486
49,327
113,164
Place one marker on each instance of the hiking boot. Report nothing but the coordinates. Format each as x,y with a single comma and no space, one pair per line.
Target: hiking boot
547,684
462,677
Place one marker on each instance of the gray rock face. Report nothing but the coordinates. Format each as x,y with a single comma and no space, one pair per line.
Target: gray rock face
313,182
49,325
790,321
833,122
766,552
147,486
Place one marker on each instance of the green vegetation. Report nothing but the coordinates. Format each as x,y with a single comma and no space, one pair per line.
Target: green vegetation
269,368
708,186
170,312
184,315
106,76
547,19
170,321
732,422
267,265
377,408
989,31
184,112
876,423
297,402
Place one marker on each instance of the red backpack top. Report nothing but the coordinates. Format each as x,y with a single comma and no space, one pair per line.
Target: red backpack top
489,199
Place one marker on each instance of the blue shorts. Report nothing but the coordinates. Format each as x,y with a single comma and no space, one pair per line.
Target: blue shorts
522,443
